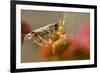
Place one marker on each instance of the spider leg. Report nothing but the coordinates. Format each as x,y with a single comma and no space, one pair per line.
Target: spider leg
42,39
37,42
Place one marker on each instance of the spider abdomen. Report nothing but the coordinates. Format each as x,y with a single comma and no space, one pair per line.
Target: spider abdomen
60,45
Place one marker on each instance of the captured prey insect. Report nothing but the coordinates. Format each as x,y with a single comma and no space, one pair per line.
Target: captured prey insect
57,36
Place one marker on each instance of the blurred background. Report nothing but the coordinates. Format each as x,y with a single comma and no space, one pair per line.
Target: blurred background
30,52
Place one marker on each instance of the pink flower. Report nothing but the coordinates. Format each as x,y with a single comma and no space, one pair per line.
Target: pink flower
83,38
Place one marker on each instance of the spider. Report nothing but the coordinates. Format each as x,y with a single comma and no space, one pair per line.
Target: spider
57,36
